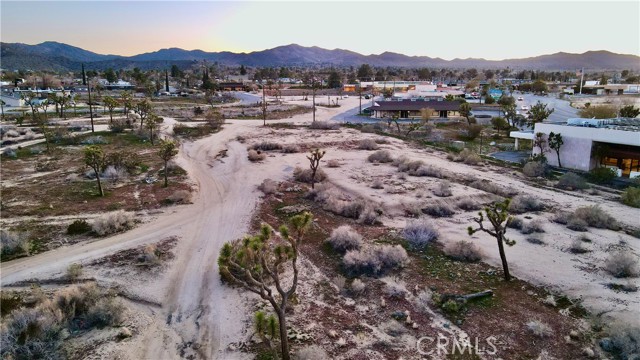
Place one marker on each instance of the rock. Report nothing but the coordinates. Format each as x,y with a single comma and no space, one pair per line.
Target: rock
332,333
588,352
64,334
383,303
414,325
399,315
408,319
567,339
606,344
574,334
124,333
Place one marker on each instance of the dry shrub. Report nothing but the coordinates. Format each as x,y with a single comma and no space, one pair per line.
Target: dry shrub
377,184
623,264
595,217
393,328
535,169
524,203
577,224
311,352
304,175
536,239
333,163
631,196
380,156
368,144
443,189
324,125
358,286
468,205
562,217
180,197
266,146
290,149
405,164
375,260
335,201
577,247
113,222
438,210
114,174
463,251
572,181
74,271
539,328
515,223
149,255
624,340
427,170
268,187
469,157
419,234
534,226
488,186
255,156
395,288
344,238
12,243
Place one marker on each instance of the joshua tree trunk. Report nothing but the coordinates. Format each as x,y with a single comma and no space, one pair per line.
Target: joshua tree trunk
284,340
99,183
558,154
503,258
166,182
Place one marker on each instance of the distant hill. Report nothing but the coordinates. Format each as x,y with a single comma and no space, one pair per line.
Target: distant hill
57,56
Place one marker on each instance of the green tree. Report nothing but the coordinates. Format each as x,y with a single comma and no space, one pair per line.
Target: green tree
365,72
30,98
168,149
498,216
110,104
629,111
257,263
143,109
555,143
176,72
243,71
465,111
152,126
510,113
500,123
538,113
110,75
94,158
539,86
334,80
489,100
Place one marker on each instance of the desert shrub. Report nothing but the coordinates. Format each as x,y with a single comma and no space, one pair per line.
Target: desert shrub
535,169
419,234
79,226
463,251
369,215
94,140
149,255
443,189
393,328
268,187
255,156
469,157
345,238
113,222
488,186
304,175
577,224
539,328
333,163
427,170
468,204
12,243
266,146
10,152
470,132
534,226
624,340
631,196
515,223
595,217
74,271
623,264
31,333
424,300
562,217
577,247
357,286
536,239
380,156
375,260
405,164
368,144
395,288
180,197
117,126
377,184
572,181
524,203
602,175
438,210
311,352
324,125
290,148
113,174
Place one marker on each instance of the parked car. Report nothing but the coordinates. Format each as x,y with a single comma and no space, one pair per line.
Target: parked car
520,98
524,108
366,96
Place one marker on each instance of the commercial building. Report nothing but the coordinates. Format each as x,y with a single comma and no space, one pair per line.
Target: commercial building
411,109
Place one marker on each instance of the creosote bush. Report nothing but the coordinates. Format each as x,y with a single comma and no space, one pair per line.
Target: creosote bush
463,250
405,164
377,184
113,222
375,259
380,156
535,169
515,223
333,163
539,328
443,189
572,181
324,125
623,264
469,157
337,202
595,217
438,210
395,288
290,148
468,204
420,233
74,271
255,156
427,170
304,175
268,187
490,187
525,203
631,196
266,146
577,224
345,238
534,226
12,243
368,144
79,226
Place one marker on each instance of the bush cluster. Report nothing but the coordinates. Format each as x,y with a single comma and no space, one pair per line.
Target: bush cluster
623,264
419,234
572,181
631,196
380,156
443,189
12,244
463,250
524,203
304,175
113,222
345,238
266,146
427,170
438,210
595,217
375,260
488,186
535,169
368,144
79,226
602,175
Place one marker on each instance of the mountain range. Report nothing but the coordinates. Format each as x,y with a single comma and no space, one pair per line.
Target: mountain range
56,56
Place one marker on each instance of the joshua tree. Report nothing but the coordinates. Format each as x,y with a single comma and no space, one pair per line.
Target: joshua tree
152,126
143,109
555,143
538,113
29,97
314,163
168,149
111,104
125,99
498,215
465,111
94,158
540,142
257,263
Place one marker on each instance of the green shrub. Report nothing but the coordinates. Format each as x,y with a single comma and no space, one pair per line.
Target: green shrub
79,226
571,181
602,175
631,196
595,217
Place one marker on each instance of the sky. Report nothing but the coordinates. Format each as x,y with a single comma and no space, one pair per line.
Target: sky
453,29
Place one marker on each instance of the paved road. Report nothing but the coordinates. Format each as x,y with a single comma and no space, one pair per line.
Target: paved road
562,109
245,98
351,115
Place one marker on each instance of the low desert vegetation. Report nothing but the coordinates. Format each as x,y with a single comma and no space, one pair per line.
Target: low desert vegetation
305,175
572,181
521,204
333,163
533,226
345,238
419,234
377,184
255,155
342,204
78,227
113,222
578,247
438,210
180,197
368,144
631,196
443,189
602,175
324,125
375,259
623,340
290,148
623,264
536,239
311,352
463,250
357,287
427,170
468,204
405,164
595,217
266,146
535,169
395,288
74,271
268,187
468,157
515,223
490,187
13,244
539,328
380,156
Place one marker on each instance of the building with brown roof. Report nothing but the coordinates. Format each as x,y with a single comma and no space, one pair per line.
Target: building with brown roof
411,109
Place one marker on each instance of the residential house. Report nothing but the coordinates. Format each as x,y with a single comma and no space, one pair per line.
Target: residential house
411,109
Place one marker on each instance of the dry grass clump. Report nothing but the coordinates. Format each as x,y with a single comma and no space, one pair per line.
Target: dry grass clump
304,175
534,169
113,222
268,187
12,244
534,226
443,189
266,146
74,271
395,288
468,205
345,238
377,184
380,156
255,156
463,250
578,247
577,224
427,170
324,125
405,164
311,352
358,287
468,157
375,260
623,264
180,197
624,340
488,186
562,217
539,328
524,203
515,223
631,196
333,163
368,144
339,203
438,210
290,148
419,234
572,181
595,217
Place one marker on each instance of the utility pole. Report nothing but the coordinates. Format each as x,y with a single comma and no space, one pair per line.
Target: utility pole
90,108
313,91
264,107
360,96
581,79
